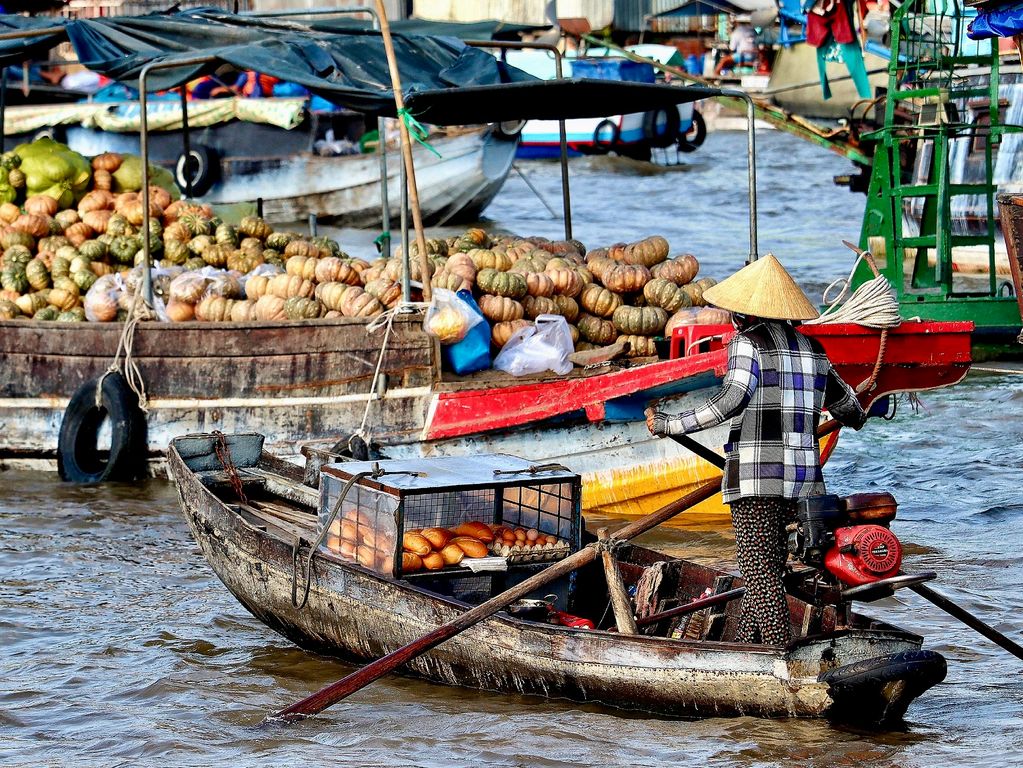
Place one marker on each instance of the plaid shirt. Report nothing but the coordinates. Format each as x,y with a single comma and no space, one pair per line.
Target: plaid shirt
777,383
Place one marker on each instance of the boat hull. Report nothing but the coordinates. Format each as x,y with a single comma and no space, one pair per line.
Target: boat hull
294,182
357,615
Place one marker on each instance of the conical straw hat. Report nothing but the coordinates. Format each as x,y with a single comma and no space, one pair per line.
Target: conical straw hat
763,289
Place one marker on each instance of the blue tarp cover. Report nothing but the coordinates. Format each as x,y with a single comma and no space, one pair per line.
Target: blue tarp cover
1005,21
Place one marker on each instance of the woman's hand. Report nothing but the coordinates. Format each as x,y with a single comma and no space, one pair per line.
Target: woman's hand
651,415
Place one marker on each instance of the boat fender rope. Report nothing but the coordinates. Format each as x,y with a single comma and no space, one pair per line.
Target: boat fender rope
138,312
224,456
385,321
417,130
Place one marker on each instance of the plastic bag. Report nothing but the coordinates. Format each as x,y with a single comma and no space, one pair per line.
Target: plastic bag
543,346
472,353
101,300
449,317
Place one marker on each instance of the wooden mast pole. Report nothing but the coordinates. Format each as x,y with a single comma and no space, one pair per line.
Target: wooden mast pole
406,153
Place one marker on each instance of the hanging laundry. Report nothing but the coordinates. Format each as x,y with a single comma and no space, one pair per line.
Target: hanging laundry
829,29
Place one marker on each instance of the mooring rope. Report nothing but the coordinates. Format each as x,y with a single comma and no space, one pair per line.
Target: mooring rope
138,312
872,305
385,321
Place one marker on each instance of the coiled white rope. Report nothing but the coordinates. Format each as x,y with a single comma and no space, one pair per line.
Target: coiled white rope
872,305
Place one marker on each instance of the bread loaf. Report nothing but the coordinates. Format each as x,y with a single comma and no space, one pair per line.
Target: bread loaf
438,537
410,563
470,546
452,554
433,561
416,543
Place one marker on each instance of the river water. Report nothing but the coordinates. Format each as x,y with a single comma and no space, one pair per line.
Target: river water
120,647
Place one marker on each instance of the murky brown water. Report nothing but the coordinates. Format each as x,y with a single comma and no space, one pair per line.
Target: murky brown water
120,647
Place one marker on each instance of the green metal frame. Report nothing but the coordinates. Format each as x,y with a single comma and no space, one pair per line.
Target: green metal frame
927,102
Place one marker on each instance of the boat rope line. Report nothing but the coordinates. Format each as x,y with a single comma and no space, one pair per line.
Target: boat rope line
307,571
224,455
611,545
533,469
138,312
872,305
385,321
417,130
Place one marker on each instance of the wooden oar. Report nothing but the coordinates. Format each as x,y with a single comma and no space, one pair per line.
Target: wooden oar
359,679
968,619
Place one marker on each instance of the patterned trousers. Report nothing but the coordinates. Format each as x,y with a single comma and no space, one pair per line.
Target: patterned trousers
761,549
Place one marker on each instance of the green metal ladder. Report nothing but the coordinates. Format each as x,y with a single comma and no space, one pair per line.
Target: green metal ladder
926,84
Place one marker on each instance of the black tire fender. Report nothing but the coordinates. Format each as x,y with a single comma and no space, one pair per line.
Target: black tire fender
603,147
660,133
56,132
883,669
78,458
696,134
201,166
509,130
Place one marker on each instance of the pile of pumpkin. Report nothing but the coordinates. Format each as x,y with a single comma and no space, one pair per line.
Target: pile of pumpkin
633,292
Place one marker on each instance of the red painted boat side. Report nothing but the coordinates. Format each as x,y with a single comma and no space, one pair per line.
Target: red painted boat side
917,356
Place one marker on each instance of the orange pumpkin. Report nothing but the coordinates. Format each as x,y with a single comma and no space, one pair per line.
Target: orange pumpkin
43,205
626,278
500,309
599,301
108,161
501,332
679,270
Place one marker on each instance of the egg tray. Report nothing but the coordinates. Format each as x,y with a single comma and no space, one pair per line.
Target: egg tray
516,554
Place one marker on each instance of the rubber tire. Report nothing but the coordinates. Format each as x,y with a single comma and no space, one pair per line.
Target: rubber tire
600,147
654,136
78,460
56,132
207,169
883,669
687,143
509,130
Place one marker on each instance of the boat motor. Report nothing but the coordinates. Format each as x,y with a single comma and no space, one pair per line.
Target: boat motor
848,538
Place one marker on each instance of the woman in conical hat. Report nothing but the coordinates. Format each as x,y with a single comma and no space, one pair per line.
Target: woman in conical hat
777,383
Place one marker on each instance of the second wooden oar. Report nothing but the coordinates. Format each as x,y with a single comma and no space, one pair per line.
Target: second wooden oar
968,619
359,679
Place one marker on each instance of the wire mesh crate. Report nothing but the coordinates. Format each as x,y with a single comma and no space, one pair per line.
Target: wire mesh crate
443,517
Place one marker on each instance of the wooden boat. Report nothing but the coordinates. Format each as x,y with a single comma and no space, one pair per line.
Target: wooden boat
840,664
310,383
265,149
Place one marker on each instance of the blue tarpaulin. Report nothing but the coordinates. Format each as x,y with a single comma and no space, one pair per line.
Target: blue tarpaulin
1004,21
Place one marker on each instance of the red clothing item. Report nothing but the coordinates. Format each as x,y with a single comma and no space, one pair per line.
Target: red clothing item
829,17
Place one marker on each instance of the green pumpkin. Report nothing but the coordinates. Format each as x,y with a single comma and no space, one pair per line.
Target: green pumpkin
331,245
117,226
216,255
37,274
254,226
53,243
84,279
8,309
508,284
124,248
16,254
175,252
13,278
10,160
76,315
200,243
298,308
196,224
193,263
225,234
61,267
94,250
279,240
640,321
46,313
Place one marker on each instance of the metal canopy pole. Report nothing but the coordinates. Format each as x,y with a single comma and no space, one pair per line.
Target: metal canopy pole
186,142
147,276
751,166
566,200
385,205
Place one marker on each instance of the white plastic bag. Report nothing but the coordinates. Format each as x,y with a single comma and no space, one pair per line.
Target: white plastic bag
449,318
543,346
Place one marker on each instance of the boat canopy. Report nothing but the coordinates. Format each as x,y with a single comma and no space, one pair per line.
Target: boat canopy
445,81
